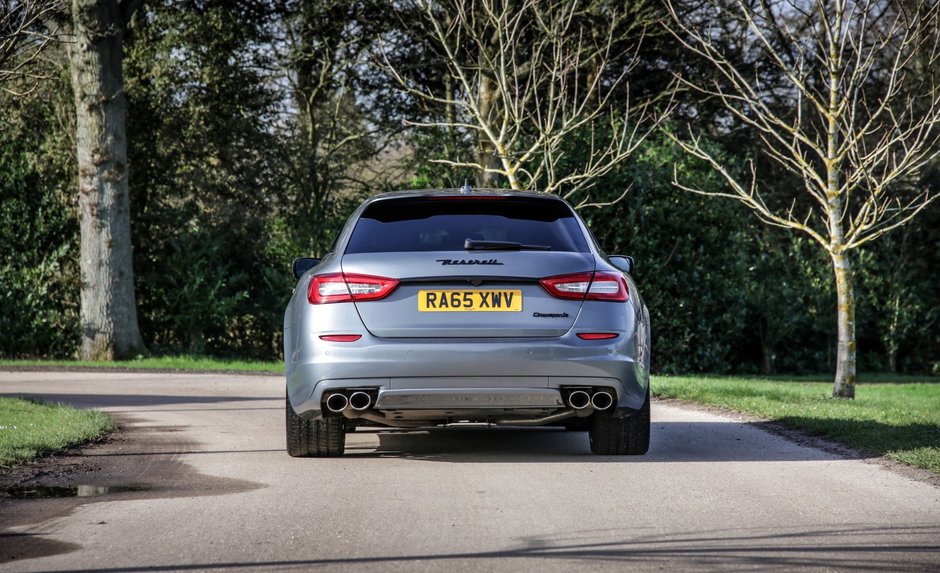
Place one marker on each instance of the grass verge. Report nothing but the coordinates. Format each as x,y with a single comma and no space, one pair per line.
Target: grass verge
157,363
898,420
29,429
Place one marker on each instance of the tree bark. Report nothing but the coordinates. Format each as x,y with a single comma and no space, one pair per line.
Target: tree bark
891,340
486,151
844,385
845,346
108,307
309,71
767,365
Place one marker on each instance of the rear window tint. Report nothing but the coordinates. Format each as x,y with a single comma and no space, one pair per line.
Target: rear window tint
430,224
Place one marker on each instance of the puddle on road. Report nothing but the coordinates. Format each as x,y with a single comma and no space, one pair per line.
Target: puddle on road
50,492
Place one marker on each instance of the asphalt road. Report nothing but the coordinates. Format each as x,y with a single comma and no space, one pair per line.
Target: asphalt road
211,488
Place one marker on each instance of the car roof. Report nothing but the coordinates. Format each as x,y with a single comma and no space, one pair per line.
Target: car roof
462,192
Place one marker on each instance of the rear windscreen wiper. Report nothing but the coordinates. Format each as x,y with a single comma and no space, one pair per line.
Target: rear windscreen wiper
472,245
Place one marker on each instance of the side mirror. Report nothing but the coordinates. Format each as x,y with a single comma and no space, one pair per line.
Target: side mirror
623,263
302,265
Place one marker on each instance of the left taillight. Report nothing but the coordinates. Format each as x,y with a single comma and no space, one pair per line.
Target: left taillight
588,286
340,287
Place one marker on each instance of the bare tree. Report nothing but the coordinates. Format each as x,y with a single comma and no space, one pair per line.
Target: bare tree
852,114
526,77
108,306
337,137
23,36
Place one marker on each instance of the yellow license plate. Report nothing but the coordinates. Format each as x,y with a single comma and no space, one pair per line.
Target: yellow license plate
470,300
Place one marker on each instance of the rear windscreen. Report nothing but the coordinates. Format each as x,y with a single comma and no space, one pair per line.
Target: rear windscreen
444,223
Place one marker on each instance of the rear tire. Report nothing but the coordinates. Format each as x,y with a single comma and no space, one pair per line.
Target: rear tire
627,436
324,438
327,437
297,431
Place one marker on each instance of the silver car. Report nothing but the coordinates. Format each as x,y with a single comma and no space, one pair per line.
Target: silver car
440,307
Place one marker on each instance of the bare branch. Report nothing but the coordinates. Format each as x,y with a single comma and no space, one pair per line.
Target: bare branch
532,76
869,126
23,37
872,123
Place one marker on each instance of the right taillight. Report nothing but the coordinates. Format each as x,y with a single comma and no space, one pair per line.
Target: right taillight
588,286
340,287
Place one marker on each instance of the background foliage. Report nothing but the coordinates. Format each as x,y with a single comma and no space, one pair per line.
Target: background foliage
231,178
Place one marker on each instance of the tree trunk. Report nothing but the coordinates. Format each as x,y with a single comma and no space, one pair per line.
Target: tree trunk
450,142
891,340
844,386
767,361
108,307
310,72
845,347
487,152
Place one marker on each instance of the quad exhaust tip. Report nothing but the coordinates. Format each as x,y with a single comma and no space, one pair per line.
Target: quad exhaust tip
582,399
579,399
336,403
359,401
602,400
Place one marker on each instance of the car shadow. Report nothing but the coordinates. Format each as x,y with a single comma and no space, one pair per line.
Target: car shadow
733,441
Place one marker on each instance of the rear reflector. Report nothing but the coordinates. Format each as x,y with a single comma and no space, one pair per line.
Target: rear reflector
587,286
597,335
339,287
340,337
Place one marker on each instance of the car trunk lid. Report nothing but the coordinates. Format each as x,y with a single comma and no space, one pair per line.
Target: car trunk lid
460,294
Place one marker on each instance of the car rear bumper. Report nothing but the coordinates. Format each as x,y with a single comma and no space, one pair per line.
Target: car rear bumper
472,376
